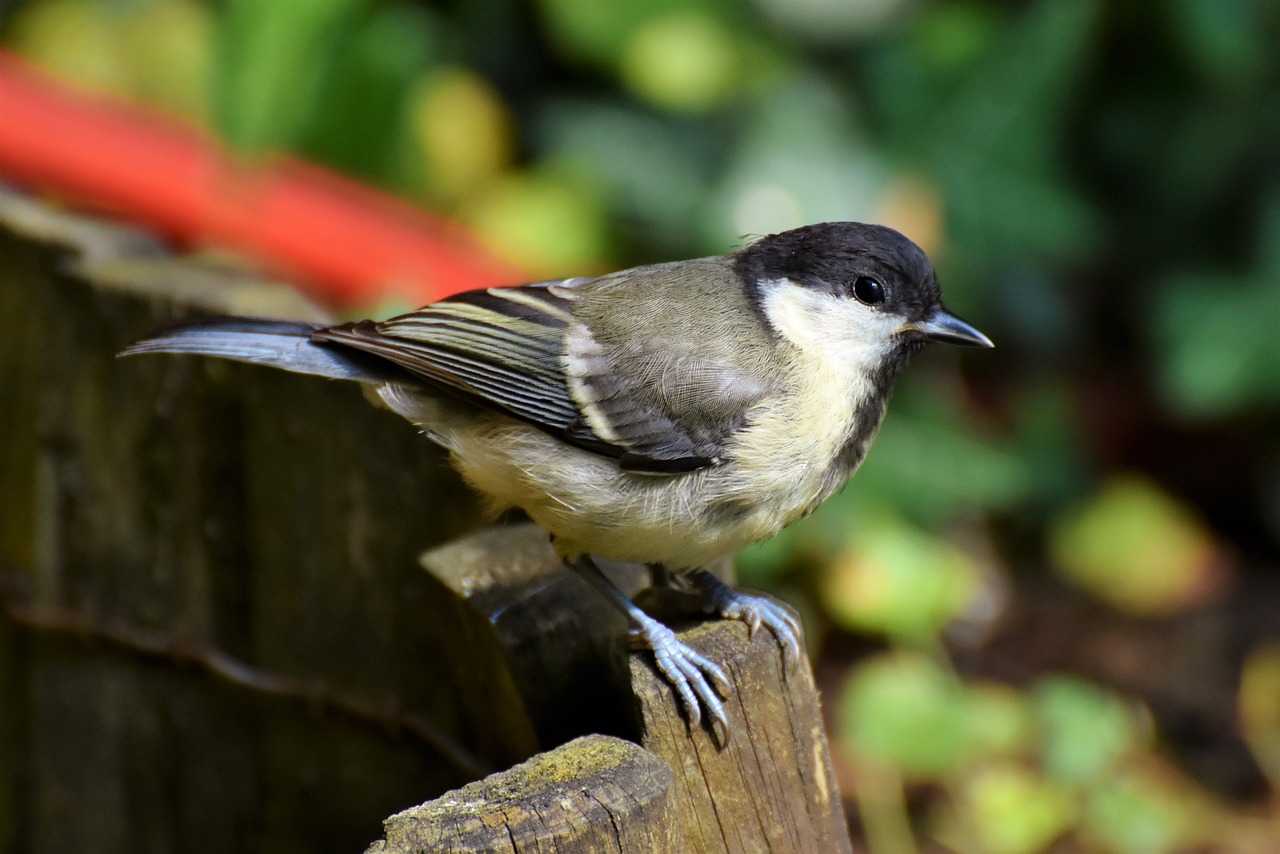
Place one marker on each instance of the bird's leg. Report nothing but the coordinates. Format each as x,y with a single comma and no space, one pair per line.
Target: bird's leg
699,681
702,592
660,576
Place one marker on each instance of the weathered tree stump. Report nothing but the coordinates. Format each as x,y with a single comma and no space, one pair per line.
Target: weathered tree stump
596,793
214,632
216,635
772,788
547,637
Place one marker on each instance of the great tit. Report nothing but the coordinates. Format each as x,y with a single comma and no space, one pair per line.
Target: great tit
667,415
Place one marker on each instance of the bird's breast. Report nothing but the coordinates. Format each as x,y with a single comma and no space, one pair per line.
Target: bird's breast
779,466
801,446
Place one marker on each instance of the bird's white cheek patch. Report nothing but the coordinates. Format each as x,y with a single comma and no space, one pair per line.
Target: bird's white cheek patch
846,335
840,345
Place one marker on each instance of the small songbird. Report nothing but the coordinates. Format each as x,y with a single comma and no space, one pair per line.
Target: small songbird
667,415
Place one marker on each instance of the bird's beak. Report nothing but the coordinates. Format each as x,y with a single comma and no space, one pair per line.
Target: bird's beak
946,327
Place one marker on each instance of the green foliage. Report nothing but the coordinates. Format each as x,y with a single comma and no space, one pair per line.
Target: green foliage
1132,815
1020,771
1084,731
975,97
1015,810
899,581
908,711
362,128
939,464
1216,333
1137,548
275,61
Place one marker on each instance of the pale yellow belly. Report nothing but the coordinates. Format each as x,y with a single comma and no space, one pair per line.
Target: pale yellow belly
592,507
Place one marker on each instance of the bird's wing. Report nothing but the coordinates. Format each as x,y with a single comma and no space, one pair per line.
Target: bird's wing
671,406
521,352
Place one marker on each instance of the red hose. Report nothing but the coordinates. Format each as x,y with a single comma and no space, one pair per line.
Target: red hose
345,244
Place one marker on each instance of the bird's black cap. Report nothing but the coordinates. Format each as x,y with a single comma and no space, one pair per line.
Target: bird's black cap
831,256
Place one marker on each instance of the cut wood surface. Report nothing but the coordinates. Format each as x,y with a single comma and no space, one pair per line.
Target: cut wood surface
594,794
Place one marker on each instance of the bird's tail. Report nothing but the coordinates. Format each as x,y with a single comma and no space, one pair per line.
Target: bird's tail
283,344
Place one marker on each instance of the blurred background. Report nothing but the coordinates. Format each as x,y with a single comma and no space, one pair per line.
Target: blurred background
1046,613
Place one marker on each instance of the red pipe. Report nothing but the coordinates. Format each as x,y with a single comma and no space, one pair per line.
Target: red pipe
344,243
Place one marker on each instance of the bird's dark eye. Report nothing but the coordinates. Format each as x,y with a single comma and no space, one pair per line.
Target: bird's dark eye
868,291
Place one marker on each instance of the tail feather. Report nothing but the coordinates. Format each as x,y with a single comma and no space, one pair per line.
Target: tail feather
278,343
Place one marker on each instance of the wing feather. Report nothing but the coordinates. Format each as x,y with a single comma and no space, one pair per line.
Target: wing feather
524,352
499,348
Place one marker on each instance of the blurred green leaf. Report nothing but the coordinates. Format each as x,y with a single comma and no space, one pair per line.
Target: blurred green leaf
155,51
905,709
898,580
684,61
1214,333
951,39
463,134
765,564
1001,719
1227,39
1047,440
166,47
984,118
598,32
800,159
1085,731
1130,814
275,60
831,21
73,37
1260,706
550,221
930,463
655,169
1137,548
361,124
1214,339
1015,810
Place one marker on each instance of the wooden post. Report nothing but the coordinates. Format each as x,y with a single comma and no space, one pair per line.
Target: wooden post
593,794
771,789
215,631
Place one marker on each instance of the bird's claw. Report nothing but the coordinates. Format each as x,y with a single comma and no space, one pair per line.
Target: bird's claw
729,604
698,680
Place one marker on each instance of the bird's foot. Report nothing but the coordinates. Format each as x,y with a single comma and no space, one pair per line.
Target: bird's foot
697,679
722,600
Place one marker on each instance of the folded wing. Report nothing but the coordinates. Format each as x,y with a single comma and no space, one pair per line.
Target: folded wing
519,351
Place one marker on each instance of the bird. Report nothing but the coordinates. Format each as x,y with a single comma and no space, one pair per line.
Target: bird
666,415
